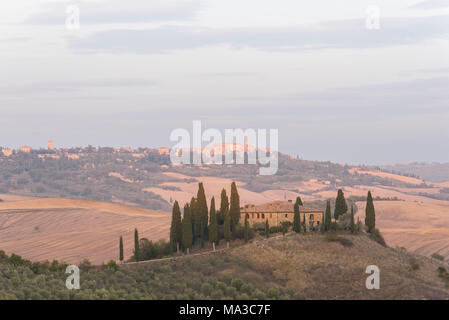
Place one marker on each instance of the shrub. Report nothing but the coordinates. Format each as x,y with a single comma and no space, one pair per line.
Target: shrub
377,236
276,229
237,283
112,265
259,295
273,293
438,256
206,289
217,294
243,296
333,237
414,265
239,232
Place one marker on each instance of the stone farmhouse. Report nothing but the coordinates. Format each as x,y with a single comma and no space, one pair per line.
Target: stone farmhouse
279,211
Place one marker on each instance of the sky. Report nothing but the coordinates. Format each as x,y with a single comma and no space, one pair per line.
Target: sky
354,81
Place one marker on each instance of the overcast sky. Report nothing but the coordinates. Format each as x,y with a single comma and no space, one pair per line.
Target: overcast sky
135,70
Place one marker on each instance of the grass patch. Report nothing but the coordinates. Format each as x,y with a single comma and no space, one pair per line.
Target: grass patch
333,237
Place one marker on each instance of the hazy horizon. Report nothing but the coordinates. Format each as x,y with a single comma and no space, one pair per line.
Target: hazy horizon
134,71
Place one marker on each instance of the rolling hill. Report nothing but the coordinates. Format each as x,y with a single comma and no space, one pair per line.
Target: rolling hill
70,230
299,266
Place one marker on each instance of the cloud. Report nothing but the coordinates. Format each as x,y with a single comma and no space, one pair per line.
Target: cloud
72,86
332,34
118,11
430,4
15,40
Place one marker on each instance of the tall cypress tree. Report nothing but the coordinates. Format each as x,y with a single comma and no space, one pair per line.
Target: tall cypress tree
195,220
296,219
267,229
351,221
187,235
213,227
121,249
304,223
224,206
176,227
234,209
370,214
246,231
340,205
203,213
327,217
299,201
136,245
227,227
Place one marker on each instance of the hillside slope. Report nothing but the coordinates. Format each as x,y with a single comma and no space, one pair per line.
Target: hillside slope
295,267
71,229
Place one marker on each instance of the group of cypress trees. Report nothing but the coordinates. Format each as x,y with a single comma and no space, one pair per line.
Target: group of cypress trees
199,224
341,208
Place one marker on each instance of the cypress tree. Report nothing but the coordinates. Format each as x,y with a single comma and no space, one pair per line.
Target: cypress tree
234,209
296,219
351,221
203,213
246,231
213,227
136,245
224,206
227,227
299,201
327,217
304,223
176,227
195,221
340,205
121,249
284,228
187,235
370,215
267,229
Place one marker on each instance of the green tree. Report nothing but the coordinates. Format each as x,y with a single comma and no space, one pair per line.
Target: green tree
234,209
304,223
187,234
121,249
299,201
176,227
136,245
351,221
213,227
227,227
327,217
267,229
203,214
340,205
224,206
370,214
194,216
296,219
246,231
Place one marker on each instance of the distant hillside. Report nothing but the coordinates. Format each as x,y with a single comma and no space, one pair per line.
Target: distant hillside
435,172
146,178
296,267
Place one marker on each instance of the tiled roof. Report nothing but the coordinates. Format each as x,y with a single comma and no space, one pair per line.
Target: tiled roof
277,206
